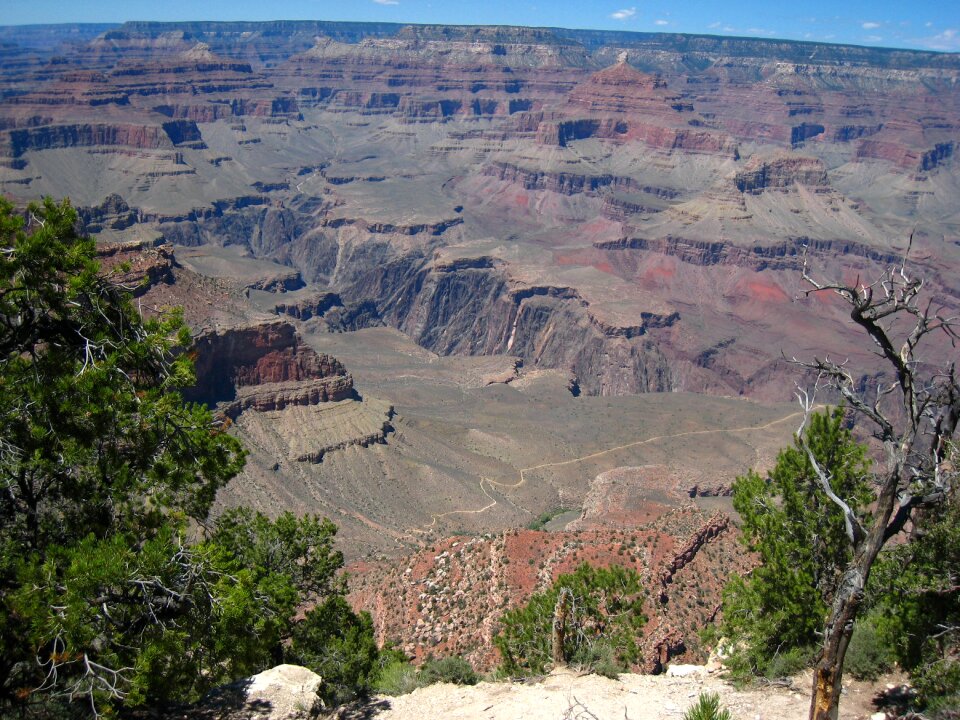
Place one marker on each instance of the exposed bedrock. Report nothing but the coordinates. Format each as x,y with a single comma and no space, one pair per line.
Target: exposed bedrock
250,220
785,255
561,132
568,183
688,551
211,111
265,367
935,157
471,309
279,395
149,137
780,172
137,265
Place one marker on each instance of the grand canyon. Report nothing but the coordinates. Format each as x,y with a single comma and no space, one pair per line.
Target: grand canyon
445,280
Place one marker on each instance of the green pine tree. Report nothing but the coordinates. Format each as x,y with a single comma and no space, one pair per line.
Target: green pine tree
110,594
798,534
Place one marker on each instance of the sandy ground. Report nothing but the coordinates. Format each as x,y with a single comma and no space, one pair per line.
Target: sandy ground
567,695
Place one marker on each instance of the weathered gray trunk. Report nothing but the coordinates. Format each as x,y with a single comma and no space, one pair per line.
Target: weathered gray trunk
560,614
828,673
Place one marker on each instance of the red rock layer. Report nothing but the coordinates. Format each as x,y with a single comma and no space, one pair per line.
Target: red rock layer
449,597
265,356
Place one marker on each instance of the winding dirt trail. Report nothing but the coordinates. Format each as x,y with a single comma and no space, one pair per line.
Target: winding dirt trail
561,463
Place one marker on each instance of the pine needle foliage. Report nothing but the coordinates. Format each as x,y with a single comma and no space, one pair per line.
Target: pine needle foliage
115,589
605,623
707,707
799,536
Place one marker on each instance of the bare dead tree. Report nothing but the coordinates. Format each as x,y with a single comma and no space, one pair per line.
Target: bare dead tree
914,417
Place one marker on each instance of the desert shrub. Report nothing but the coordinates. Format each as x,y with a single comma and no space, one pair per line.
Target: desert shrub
938,687
707,707
868,655
599,657
606,606
916,606
398,677
451,669
543,518
789,662
338,645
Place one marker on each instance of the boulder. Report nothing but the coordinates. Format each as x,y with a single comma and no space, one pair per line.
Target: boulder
686,671
285,692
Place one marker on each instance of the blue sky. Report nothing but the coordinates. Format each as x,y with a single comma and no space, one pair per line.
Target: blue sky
902,23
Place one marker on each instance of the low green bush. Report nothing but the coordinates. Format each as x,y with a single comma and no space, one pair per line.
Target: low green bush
868,656
707,707
606,610
789,662
600,658
397,678
451,669
938,685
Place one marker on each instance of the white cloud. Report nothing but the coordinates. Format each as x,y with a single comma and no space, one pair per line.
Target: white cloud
624,14
713,25
870,25
660,22
948,40
873,38
387,2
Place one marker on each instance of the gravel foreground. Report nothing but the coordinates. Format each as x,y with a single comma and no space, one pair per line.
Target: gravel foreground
566,695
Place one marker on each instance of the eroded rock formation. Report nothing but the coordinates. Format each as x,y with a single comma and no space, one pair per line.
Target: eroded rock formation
357,154
265,367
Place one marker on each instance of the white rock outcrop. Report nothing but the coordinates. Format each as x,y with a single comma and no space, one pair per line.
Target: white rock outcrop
290,691
686,671
285,692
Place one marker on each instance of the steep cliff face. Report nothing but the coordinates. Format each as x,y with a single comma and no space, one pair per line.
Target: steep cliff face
471,309
786,255
780,172
266,367
18,142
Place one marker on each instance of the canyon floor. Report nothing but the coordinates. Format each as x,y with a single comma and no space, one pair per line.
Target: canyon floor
480,445
566,695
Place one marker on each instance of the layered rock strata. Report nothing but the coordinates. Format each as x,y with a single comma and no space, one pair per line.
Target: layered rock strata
582,162
300,398
265,367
